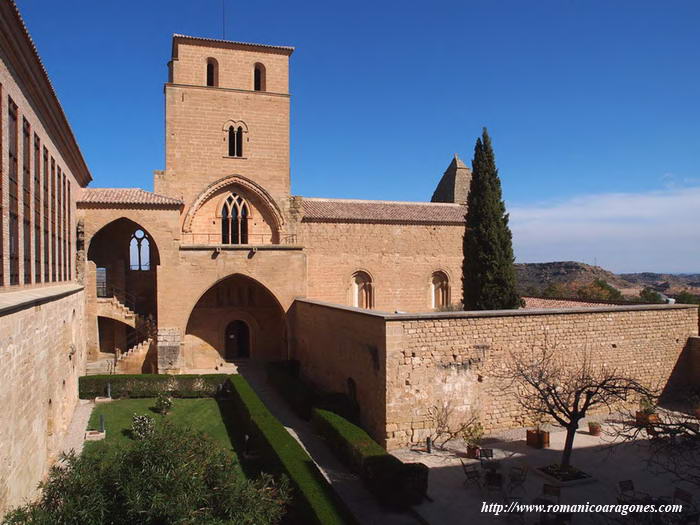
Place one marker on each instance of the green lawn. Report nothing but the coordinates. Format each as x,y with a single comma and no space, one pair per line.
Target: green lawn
199,414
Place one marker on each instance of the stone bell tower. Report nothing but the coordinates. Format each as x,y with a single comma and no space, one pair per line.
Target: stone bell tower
454,185
226,113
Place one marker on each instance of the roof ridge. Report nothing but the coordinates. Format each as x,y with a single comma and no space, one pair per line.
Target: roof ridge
125,196
235,42
370,201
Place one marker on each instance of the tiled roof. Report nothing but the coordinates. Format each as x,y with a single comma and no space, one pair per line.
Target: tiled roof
125,196
346,210
538,303
246,44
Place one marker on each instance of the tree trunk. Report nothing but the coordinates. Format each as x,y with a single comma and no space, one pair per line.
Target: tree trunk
569,444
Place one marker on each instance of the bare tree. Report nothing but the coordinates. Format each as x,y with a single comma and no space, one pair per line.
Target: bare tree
564,386
448,423
671,439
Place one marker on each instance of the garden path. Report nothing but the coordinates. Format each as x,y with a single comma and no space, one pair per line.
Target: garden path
75,435
348,486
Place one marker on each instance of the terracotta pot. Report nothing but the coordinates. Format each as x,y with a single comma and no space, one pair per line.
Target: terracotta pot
537,438
643,418
594,429
472,451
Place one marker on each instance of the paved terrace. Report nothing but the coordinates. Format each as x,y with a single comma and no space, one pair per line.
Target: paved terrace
454,502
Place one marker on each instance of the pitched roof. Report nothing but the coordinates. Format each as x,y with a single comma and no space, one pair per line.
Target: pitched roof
125,196
286,49
348,210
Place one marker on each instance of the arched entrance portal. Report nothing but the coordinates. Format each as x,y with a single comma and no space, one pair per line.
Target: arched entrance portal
237,318
126,259
237,340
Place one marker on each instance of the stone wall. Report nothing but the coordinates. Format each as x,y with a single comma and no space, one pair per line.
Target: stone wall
435,359
400,258
335,344
42,351
431,359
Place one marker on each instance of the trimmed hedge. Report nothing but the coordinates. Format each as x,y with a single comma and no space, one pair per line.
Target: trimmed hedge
392,482
150,385
303,398
282,454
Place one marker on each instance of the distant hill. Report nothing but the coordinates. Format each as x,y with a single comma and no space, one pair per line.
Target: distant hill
537,276
664,282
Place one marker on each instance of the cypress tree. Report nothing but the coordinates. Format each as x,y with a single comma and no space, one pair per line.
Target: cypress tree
488,274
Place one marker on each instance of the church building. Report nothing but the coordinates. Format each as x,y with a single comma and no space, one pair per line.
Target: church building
205,269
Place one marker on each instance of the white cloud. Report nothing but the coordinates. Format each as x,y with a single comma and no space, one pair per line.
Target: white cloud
625,232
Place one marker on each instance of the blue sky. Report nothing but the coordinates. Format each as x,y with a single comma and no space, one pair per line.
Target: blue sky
593,106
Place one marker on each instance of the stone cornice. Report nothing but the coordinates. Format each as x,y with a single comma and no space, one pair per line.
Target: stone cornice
498,313
14,301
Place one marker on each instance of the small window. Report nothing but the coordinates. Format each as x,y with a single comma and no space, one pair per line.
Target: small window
232,141
139,251
235,140
362,290
259,77
239,142
212,72
440,290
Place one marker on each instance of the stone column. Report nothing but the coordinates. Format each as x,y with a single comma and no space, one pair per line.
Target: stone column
169,351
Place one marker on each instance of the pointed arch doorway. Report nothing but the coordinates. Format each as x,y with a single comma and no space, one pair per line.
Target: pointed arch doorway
237,341
236,318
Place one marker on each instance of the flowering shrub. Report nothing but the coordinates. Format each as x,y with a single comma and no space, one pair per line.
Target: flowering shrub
164,403
142,426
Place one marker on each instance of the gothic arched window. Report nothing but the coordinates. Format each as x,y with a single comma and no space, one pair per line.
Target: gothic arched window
234,220
139,251
440,290
362,291
259,77
231,141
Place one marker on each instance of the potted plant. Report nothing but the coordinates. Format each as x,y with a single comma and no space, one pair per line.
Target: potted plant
537,437
472,435
594,428
647,412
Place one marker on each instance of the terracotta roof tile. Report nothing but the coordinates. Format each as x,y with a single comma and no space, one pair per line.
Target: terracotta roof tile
346,210
288,49
125,196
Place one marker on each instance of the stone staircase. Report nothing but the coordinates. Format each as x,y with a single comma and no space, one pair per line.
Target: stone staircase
113,308
100,367
131,361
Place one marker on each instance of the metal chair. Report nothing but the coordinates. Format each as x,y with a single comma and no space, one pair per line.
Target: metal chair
550,495
486,458
516,477
493,482
626,493
471,474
